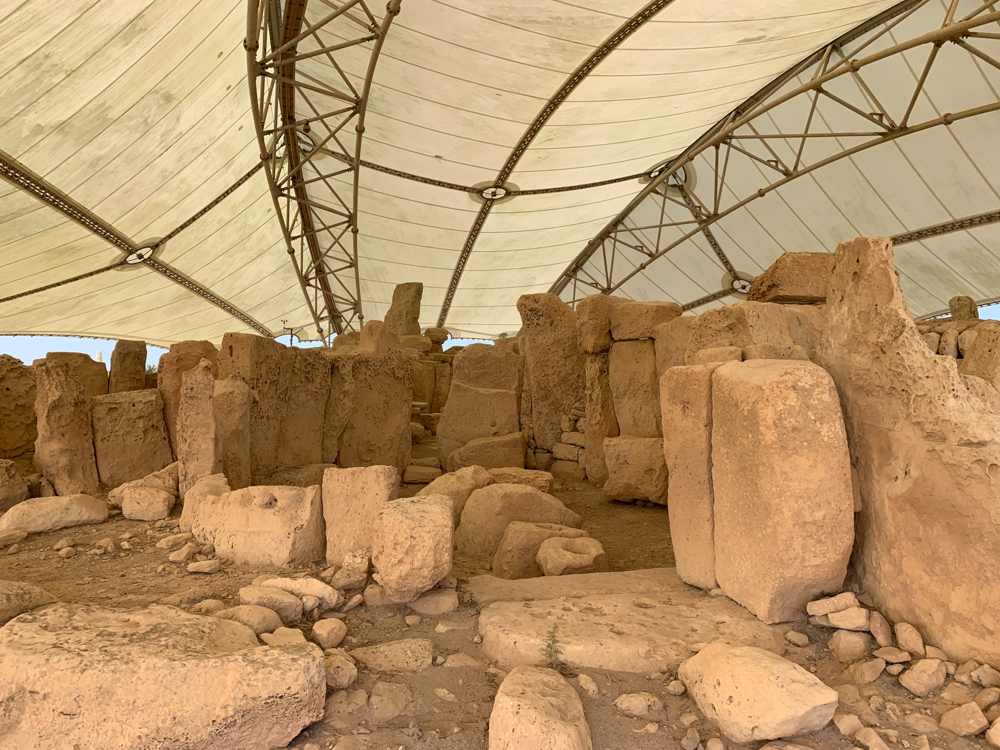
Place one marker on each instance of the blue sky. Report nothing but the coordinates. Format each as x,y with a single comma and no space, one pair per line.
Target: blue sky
29,348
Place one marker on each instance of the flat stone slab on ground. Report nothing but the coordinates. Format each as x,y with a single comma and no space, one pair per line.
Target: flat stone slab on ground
622,632
486,589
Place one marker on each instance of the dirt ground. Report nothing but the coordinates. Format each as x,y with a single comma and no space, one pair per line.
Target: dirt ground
449,707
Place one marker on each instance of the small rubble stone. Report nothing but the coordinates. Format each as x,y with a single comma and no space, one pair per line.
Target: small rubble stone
987,676
715,744
796,638
753,694
854,618
283,637
328,596
329,633
565,556
838,603
589,685
8,538
965,720
909,639
184,554
174,541
849,646
406,655
933,652
924,677
894,669
537,708
847,724
207,567
880,628
389,700
870,739
993,734
287,606
964,672
676,687
867,672
893,655
639,705
435,603
258,619
987,697
341,671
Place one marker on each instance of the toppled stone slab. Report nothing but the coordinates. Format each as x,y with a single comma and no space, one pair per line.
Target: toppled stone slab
560,555
515,555
411,545
537,708
406,655
40,514
263,525
458,485
540,480
352,499
636,469
130,436
188,681
488,511
622,632
756,695
17,597
652,581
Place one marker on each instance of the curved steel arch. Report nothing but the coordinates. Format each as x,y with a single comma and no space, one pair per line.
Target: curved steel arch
737,137
315,222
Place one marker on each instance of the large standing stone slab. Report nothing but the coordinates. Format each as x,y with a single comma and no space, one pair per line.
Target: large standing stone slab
93,376
264,365
637,633
756,695
635,388
423,381
488,511
794,278
18,426
593,322
442,386
403,317
554,363
130,437
280,526
781,472
378,429
171,368
64,449
188,681
232,401
411,545
671,341
198,446
473,413
631,320
128,367
339,402
686,405
601,419
636,469
300,438
923,439
537,708
352,499
983,358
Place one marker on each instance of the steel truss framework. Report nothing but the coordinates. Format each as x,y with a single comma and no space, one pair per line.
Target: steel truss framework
310,133
626,246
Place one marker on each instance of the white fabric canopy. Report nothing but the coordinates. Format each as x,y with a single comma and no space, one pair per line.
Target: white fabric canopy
139,111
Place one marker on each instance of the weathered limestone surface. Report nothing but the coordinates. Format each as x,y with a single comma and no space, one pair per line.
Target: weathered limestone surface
300,438
423,381
636,469
130,437
64,449
554,363
13,489
352,499
198,446
983,357
686,405
794,278
740,324
537,708
925,441
442,386
411,545
515,555
489,453
671,341
214,485
188,681
593,322
636,320
561,555
635,388
754,695
403,317
299,476
963,308
781,474
458,485
232,401
601,420
378,429
17,597
475,412
93,376
488,511
128,367
173,364
18,427
40,514
340,400
627,632
264,365
280,526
